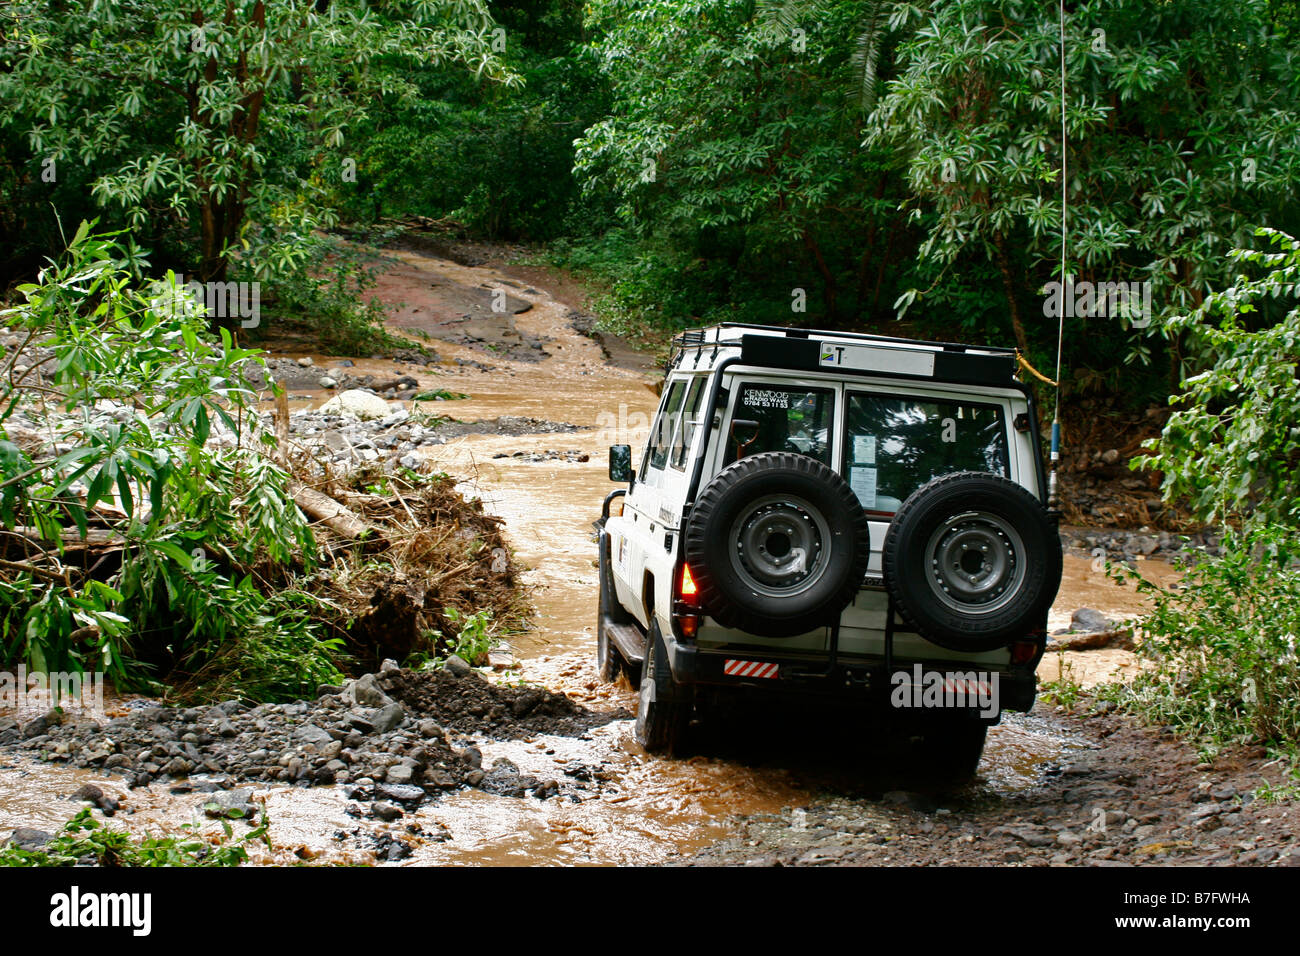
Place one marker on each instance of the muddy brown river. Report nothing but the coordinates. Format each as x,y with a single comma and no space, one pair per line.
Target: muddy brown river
652,809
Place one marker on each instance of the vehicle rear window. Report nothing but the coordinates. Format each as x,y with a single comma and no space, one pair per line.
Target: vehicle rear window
895,445
789,418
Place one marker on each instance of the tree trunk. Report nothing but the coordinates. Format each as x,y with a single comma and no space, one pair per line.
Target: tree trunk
1009,286
830,290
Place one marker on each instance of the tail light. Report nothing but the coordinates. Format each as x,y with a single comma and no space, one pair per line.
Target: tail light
687,590
686,603
1022,652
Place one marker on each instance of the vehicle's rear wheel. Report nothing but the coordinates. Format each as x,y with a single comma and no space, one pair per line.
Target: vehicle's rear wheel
777,544
664,707
951,751
972,561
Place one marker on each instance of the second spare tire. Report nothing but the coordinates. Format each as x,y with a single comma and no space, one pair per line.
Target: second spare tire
973,561
777,544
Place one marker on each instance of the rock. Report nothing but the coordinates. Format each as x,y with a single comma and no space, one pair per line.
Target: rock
1110,456
430,729
1088,620
458,666
41,725
388,666
311,734
305,361
388,717
28,838
1145,544
94,795
402,793
177,767
237,804
365,690
355,402
386,811
89,793
399,774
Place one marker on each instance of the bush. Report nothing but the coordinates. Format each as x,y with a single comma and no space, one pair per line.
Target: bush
138,424
1224,642
1223,646
325,295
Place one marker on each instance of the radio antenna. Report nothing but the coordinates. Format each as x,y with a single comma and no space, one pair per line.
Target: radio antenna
1060,330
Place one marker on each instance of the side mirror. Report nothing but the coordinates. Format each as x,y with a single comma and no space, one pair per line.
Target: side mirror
620,463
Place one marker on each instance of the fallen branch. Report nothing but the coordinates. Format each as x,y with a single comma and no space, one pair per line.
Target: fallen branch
327,511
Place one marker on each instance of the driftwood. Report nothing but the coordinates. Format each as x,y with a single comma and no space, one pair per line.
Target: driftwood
95,537
282,429
320,506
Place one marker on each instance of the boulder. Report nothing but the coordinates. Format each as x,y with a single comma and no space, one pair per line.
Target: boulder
355,402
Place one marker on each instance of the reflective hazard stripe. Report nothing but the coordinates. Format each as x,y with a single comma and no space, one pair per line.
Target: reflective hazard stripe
738,668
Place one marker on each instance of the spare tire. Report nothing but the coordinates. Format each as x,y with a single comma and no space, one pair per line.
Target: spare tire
777,544
973,561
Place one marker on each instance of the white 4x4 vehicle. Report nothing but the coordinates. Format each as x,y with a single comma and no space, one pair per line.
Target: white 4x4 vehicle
832,513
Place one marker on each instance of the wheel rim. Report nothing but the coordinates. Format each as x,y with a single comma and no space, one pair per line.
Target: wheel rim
780,545
975,563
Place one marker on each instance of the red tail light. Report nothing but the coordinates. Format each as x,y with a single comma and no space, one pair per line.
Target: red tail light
1022,652
686,605
689,591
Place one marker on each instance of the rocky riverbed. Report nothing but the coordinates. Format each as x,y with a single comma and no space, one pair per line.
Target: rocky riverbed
395,729
1120,794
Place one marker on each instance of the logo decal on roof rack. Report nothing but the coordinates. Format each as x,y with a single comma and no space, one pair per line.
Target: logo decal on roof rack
868,359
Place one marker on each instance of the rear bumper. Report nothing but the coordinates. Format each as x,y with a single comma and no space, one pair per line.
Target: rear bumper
906,685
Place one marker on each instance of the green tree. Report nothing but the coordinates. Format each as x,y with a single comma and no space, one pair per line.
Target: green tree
219,123
730,129
1184,133
1232,445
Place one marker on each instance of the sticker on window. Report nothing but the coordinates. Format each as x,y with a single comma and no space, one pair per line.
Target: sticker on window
864,449
863,483
766,398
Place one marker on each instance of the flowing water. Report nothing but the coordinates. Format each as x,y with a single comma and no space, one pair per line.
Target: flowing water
647,809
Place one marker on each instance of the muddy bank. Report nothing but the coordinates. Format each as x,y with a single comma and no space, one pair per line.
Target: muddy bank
1145,543
391,735
1118,794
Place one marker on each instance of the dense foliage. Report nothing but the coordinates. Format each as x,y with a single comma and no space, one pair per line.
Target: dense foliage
1223,640
134,387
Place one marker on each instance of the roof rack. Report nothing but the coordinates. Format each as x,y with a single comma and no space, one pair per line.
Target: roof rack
701,337
859,352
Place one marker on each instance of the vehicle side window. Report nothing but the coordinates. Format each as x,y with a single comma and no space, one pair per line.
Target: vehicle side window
895,445
789,418
686,431
662,433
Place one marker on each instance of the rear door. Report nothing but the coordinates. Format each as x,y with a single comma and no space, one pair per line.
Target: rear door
896,441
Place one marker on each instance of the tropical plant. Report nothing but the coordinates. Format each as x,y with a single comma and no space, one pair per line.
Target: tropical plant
139,421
